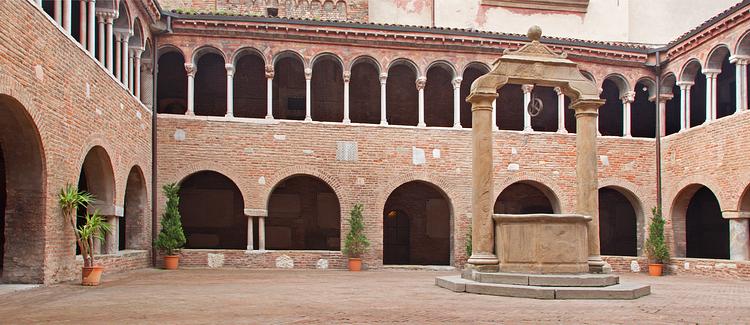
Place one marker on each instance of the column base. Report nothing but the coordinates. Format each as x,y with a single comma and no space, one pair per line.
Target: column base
347,121
529,129
308,119
484,259
269,117
471,268
189,113
229,116
384,123
457,126
421,125
597,265
563,131
249,248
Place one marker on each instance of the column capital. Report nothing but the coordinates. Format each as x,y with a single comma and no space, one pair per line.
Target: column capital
558,91
191,69
662,98
587,106
527,88
230,69
457,82
711,73
481,101
685,84
383,77
421,82
147,66
628,97
123,34
739,59
106,15
308,74
137,50
347,76
269,71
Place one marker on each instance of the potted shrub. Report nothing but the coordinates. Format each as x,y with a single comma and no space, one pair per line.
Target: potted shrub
356,242
171,237
656,248
70,199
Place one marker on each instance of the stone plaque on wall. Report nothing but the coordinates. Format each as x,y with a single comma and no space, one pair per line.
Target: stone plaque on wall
346,150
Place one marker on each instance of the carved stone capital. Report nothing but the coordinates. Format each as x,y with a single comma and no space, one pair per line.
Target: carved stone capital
527,88
421,82
558,91
230,69
587,106
347,76
628,97
147,67
191,69
457,82
308,74
383,77
739,59
269,71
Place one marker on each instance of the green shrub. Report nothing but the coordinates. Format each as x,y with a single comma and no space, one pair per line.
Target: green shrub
69,200
356,242
468,243
656,248
171,237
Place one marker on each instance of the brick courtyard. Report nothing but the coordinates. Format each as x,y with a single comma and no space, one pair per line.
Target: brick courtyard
306,296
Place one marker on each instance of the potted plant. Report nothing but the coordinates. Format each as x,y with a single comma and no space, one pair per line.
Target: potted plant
656,248
356,242
171,237
94,227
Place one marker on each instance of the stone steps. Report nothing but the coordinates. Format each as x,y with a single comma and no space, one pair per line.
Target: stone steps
544,280
617,291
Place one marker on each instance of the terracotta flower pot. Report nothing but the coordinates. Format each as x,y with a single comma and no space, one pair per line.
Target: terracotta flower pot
171,262
355,264
655,269
91,276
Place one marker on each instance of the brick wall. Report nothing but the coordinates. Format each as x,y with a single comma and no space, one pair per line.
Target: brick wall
343,10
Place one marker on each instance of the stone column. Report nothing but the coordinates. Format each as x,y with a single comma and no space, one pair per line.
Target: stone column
147,85
136,80
739,235
58,12
627,99
269,92
118,56
482,199
308,93
347,78
457,102
101,19
82,20
112,239
109,36
230,90
661,107
262,233
685,104
383,82
191,70
250,243
130,71
91,15
494,116
560,111
711,75
587,191
68,16
740,63
526,100
421,82
125,59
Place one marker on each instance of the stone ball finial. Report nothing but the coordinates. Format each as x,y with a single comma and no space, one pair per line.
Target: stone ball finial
534,33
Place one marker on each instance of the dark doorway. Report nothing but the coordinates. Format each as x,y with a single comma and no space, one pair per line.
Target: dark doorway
617,224
3,195
707,232
523,198
417,226
610,114
364,93
402,97
171,80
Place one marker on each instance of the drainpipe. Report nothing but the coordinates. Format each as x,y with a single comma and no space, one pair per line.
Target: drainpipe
658,130
155,31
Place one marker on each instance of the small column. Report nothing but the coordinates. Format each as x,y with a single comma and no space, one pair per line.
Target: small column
587,200
146,89
560,111
421,82
109,36
662,111
627,99
68,16
82,20
526,100
111,239
101,19
262,233
383,82
58,12
230,90
347,77
711,75
457,102
685,104
136,71
739,239
740,63
191,70
131,72
269,92
118,56
91,15
494,116
308,92
250,243
125,59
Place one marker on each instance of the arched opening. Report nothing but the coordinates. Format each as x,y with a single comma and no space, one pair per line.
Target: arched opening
438,96
618,223
171,82
700,230
692,73
402,97
22,195
745,201
212,210
364,92
672,110
471,74
210,85
643,112
303,214
136,46
417,226
147,78
122,29
98,178
250,87
610,114
546,120
327,90
526,197
570,117
289,88
133,228
726,84
509,107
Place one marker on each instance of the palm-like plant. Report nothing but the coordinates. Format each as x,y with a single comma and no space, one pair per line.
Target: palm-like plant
70,199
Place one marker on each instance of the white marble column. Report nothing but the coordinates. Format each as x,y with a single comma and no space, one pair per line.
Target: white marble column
685,104
457,102
661,107
494,116
250,233
739,239
527,89
560,111
137,71
347,78
58,11
711,75
82,20
627,99
269,92
383,82
191,70
68,16
125,59
101,19
740,63
118,56
262,233
308,93
230,90
130,71
91,16
109,39
421,83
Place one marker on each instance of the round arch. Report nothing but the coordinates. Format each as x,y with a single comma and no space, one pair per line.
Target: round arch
526,196
247,50
289,54
123,20
696,216
327,56
621,221
445,65
717,56
134,226
206,49
137,40
405,62
620,81
743,45
481,66
744,205
690,70
367,60
542,183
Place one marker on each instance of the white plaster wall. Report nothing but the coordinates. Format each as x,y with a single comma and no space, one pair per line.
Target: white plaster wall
642,21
